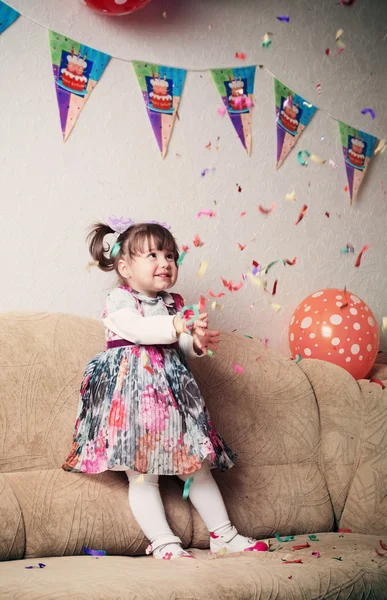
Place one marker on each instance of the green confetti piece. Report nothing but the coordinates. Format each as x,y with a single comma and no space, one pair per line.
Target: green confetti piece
298,358
181,258
210,353
289,538
187,485
314,538
300,158
248,336
335,558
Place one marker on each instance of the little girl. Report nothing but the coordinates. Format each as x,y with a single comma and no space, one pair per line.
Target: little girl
140,409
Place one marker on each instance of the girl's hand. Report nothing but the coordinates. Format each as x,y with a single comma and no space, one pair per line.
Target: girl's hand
201,322
205,339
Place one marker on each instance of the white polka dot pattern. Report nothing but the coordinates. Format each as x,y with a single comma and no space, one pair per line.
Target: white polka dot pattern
343,329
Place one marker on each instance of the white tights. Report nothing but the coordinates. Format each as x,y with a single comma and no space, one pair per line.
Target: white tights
148,510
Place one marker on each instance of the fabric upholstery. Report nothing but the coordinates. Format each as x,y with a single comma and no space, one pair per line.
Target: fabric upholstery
312,445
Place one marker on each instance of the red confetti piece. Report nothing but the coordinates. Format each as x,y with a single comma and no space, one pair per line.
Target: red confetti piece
185,248
358,260
149,369
207,213
376,550
290,576
255,263
327,214
197,241
202,303
301,546
383,546
302,214
346,188
290,562
239,187
345,530
291,262
243,214
267,211
381,385
210,293
241,55
208,145
241,247
274,288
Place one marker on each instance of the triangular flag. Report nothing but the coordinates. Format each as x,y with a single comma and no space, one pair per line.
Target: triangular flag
358,149
77,69
8,16
161,90
293,114
236,88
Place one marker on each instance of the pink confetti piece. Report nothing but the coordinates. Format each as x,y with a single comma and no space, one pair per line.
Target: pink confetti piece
283,18
267,211
243,214
238,368
221,110
358,260
370,111
208,213
241,55
317,554
318,87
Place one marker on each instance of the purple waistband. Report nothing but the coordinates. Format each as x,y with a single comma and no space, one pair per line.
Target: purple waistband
120,343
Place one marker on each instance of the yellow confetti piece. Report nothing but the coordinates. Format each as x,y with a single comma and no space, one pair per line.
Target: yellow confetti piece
339,33
291,196
93,263
255,280
276,307
217,305
202,268
221,552
317,159
384,324
380,147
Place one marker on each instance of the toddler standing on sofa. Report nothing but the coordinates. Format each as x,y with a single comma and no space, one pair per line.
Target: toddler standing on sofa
140,409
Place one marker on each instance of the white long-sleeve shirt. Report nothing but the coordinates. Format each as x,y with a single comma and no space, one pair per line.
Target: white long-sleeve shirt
122,320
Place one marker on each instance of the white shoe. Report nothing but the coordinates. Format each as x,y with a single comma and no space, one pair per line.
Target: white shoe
167,547
233,542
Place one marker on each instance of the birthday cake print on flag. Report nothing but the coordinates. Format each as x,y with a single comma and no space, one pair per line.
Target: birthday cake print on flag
8,15
77,69
236,88
293,114
358,149
161,89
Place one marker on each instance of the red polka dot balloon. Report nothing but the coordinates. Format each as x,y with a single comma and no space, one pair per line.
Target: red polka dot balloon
115,8
336,326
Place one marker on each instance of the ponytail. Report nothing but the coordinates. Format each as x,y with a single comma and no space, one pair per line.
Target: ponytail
98,249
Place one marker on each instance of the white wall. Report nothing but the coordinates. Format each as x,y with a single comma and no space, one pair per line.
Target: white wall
51,192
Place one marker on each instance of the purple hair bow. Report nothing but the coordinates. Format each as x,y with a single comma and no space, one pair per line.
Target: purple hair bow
120,225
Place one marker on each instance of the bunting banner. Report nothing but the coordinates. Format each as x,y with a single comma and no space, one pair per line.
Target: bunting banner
293,114
236,88
161,90
358,149
77,69
8,15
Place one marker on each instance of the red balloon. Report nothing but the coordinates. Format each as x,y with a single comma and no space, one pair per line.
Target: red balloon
115,8
336,326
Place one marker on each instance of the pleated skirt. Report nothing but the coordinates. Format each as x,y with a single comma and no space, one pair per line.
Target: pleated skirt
140,408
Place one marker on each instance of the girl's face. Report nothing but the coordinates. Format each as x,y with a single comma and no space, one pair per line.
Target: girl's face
151,271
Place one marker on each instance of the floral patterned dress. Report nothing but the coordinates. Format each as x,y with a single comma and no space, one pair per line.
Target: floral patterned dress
140,407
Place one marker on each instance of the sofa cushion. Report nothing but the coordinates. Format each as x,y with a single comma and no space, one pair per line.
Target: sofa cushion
12,532
269,416
63,512
359,574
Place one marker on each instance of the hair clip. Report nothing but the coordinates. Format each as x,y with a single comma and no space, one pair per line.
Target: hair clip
115,249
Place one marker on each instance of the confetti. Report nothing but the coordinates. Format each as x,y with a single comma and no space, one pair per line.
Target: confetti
302,214
140,479
270,265
181,258
327,214
370,111
91,552
290,196
380,147
317,159
300,158
210,293
318,87
256,280
347,2
40,566
289,562
338,35
208,146
337,558
197,241
221,110
332,164
187,485
239,187
298,358
267,211
283,18
241,55
302,546
210,353
383,546
238,368
146,362
381,385
275,307
384,324
316,554
286,261
208,213
207,170
358,260
266,41
243,214
93,263
230,285
241,247
165,14
217,305
347,248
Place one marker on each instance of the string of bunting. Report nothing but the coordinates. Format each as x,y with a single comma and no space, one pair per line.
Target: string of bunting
77,68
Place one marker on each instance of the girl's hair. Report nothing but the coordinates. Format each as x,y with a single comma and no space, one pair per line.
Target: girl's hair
131,243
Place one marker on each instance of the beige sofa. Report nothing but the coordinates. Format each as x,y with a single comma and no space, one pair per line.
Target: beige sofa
312,446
